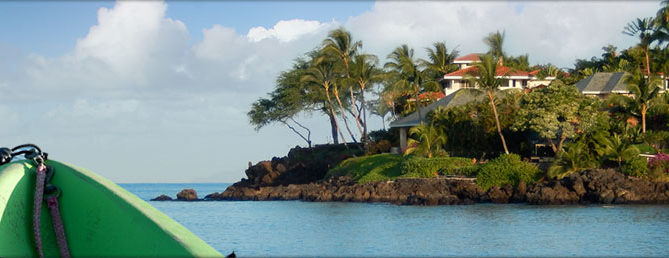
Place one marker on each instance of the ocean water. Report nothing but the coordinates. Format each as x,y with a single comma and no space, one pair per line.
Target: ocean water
295,228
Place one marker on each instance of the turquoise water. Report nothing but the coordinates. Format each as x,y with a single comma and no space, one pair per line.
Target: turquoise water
294,228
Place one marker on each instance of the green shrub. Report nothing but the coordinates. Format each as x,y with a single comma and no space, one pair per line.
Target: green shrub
415,166
645,148
378,167
506,169
637,166
658,167
379,135
469,170
384,146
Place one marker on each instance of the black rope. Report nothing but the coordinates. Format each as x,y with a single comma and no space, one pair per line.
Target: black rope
6,154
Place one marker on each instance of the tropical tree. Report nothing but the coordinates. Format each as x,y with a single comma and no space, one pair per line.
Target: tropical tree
286,101
557,113
521,62
644,91
646,31
574,158
618,65
610,54
661,21
365,72
618,150
430,140
379,108
337,93
662,16
495,42
322,74
549,70
489,82
265,111
440,60
407,73
340,46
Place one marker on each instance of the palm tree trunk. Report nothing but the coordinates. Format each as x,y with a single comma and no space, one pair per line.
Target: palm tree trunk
364,114
343,115
560,144
334,118
383,122
355,114
333,126
553,147
643,118
499,127
647,63
415,90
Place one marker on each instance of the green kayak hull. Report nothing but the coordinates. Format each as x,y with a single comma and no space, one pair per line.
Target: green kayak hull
101,219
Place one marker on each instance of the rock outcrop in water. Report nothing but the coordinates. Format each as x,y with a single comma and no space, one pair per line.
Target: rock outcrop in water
590,186
599,186
162,198
187,195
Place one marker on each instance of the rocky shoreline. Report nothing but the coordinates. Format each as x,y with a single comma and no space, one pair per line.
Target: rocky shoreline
602,186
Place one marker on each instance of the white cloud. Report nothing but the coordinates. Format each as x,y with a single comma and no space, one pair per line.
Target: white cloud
285,31
133,39
557,32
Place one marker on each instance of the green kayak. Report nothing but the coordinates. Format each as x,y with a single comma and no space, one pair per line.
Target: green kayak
100,218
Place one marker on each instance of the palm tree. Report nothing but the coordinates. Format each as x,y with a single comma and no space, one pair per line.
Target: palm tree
618,150
609,53
521,62
430,140
335,90
409,76
644,91
323,75
621,65
340,45
549,70
495,42
662,16
647,33
365,72
489,82
576,157
441,61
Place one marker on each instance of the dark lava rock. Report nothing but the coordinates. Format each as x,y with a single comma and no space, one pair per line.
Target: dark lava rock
300,166
187,195
162,198
290,178
415,191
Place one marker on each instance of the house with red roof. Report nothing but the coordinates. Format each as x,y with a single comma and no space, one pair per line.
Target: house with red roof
455,81
513,79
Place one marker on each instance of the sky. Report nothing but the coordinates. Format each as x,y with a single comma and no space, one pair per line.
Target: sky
152,91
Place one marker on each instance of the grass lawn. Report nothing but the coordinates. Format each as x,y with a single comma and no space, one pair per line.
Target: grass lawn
378,167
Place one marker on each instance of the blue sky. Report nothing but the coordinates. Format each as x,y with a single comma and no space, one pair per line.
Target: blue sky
59,24
149,91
